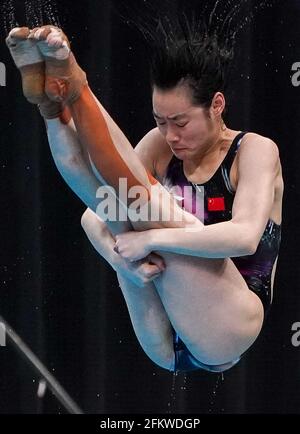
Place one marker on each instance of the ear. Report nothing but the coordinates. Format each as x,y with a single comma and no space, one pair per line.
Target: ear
218,104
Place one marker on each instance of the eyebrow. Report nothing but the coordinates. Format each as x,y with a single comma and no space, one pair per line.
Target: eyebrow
172,117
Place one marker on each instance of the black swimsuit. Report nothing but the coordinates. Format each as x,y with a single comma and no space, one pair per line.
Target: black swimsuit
218,194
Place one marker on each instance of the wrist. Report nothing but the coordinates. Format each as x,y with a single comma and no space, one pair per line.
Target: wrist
155,238
116,261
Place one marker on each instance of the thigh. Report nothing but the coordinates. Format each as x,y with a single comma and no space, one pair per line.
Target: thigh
210,306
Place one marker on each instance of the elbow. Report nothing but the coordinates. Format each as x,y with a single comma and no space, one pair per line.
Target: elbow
246,239
245,247
250,247
90,220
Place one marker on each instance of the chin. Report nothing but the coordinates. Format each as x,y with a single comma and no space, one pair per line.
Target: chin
180,153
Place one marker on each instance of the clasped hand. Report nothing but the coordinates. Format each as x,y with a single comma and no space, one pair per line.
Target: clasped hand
133,245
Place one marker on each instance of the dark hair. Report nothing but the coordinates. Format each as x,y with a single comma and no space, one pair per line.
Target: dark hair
186,51
196,48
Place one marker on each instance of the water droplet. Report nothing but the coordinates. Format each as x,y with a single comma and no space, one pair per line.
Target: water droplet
171,403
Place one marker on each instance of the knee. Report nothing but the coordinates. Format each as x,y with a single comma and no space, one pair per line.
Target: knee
85,218
87,224
89,219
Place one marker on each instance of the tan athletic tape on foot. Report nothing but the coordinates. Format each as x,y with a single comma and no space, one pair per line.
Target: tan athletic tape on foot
29,61
24,51
64,78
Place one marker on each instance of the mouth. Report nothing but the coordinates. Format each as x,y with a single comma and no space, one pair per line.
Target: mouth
178,149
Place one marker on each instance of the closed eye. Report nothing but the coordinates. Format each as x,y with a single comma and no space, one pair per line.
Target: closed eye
164,123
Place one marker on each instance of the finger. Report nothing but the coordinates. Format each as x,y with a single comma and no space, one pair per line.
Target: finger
150,270
157,260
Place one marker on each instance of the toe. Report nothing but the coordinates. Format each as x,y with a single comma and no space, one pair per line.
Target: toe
52,35
55,40
40,33
17,34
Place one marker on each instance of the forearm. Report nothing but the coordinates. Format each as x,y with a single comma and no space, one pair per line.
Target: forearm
221,240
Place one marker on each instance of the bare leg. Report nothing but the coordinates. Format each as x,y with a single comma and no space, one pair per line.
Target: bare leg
148,316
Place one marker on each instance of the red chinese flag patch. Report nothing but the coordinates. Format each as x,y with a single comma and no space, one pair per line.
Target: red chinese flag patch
216,204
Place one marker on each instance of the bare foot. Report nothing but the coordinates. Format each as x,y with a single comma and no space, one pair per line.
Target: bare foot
64,78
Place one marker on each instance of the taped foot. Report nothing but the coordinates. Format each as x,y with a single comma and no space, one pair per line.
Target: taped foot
30,63
65,79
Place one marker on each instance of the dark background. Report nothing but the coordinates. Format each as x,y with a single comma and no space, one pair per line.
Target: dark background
63,299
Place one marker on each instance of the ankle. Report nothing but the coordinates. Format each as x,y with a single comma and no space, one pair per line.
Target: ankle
50,109
65,79
33,82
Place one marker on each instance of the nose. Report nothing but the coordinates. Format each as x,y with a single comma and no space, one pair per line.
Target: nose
171,136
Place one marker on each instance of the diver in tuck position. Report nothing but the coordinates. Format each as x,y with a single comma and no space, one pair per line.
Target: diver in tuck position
197,292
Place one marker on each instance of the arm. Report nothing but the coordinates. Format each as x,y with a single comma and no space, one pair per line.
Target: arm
258,165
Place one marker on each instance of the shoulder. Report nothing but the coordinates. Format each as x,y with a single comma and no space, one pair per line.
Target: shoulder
257,141
153,150
255,147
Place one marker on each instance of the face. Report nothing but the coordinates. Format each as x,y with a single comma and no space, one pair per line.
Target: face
186,127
